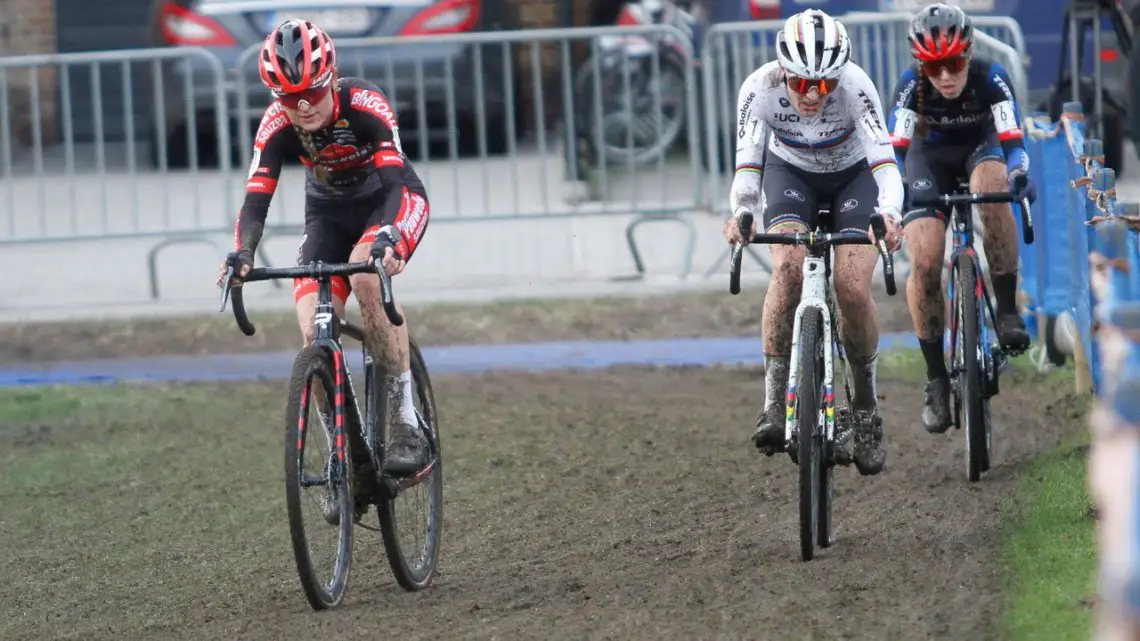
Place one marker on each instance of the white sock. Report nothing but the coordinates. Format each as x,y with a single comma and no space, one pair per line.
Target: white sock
402,407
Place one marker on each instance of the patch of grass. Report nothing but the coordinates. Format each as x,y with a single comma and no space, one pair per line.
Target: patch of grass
1049,557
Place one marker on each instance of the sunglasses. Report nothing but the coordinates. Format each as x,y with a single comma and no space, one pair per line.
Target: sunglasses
312,95
804,85
953,65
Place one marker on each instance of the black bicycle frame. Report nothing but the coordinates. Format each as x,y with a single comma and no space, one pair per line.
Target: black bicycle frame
327,335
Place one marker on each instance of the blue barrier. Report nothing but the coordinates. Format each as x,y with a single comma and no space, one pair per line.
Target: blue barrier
1076,197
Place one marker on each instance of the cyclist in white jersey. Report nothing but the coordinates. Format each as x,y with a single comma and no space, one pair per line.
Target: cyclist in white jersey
827,146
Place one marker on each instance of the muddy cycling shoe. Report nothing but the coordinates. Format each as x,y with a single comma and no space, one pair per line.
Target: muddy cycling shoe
936,409
869,454
1012,333
407,450
769,434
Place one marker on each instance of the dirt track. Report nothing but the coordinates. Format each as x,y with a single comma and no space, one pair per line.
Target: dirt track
625,504
660,522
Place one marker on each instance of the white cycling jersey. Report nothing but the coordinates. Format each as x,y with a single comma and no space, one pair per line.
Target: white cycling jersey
847,129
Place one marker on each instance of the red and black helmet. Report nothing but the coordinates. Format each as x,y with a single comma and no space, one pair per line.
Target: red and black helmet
940,31
296,56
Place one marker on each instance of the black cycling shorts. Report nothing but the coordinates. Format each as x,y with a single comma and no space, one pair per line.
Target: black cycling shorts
938,170
333,228
790,194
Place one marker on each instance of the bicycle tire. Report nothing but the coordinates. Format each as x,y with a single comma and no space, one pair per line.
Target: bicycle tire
315,363
970,376
809,439
412,578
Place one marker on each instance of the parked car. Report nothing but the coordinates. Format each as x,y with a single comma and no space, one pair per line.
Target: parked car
228,28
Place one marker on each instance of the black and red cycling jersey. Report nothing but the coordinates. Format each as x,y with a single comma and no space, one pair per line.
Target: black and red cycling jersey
357,157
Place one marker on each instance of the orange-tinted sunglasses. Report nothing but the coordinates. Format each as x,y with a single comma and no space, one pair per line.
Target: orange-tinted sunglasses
804,85
954,65
312,95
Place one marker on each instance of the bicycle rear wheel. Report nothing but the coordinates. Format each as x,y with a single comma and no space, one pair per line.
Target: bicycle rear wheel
329,477
809,439
970,370
416,573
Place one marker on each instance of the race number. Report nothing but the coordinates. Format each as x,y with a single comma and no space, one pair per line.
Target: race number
1004,120
904,124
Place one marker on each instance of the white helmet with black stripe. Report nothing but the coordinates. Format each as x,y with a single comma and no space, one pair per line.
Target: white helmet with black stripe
813,45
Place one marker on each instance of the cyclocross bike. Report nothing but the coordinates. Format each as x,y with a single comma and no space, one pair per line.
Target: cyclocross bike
976,357
815,439
332,476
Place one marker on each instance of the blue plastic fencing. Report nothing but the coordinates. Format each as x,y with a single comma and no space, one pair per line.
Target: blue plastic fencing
1074,219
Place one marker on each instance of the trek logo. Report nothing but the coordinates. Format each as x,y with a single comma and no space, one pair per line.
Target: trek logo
872,113
744,114
375,104
1004,87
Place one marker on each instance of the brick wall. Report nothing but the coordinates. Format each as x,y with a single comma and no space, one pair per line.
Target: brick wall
28,27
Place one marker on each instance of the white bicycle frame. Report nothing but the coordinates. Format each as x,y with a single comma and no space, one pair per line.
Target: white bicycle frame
815,288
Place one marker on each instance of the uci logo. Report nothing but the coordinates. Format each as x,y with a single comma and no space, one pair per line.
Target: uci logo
921,183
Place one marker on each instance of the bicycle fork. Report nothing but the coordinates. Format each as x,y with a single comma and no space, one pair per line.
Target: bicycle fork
814,291
990,357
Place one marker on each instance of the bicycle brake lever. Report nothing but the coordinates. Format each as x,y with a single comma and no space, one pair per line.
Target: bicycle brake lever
226,288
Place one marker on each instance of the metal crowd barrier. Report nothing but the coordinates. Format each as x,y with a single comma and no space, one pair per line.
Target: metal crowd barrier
489,163
513,125
85,174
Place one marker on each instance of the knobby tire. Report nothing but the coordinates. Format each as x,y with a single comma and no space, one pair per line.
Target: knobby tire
970,381
315,364
418,576
809,438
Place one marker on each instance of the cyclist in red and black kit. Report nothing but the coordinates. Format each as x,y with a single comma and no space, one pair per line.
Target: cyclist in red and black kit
359,189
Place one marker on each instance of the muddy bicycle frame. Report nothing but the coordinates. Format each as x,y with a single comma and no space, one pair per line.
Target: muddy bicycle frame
816,293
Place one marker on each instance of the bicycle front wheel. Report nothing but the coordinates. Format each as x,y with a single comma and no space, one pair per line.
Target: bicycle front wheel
809,381
317,489
970,370
413,557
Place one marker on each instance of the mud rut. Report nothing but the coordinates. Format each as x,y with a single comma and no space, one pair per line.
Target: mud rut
630,505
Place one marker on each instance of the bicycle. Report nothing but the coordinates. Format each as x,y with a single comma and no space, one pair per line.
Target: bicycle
973,380
325,361
814,438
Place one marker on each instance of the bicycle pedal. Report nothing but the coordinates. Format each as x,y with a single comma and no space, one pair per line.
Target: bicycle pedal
840,456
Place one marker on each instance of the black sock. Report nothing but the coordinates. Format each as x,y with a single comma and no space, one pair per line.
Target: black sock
935,361
1005,291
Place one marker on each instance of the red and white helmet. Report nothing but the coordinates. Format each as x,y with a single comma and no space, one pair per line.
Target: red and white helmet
296,56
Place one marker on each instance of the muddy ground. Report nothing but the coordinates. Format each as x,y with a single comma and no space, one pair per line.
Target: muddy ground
678,315
625,504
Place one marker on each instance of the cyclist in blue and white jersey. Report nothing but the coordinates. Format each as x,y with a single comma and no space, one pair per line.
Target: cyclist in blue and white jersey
955,117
